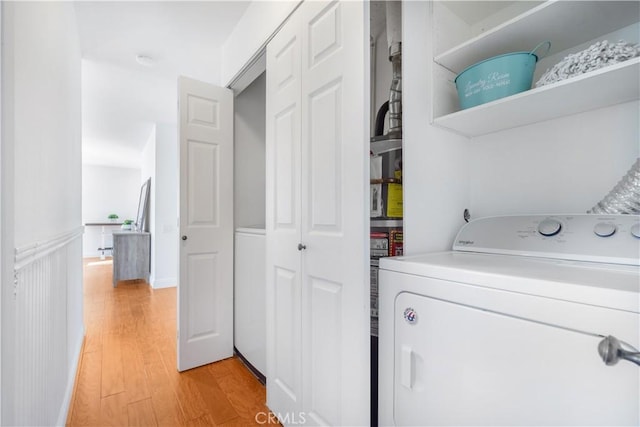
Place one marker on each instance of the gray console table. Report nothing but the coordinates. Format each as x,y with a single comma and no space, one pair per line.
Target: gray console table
131,255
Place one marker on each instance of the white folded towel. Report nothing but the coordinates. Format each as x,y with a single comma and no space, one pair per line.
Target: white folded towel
597,56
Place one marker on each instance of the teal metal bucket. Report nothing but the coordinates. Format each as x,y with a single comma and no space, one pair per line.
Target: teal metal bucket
497,77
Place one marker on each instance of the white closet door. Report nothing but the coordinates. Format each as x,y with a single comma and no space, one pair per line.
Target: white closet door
284,363
335,156
205,290
317,217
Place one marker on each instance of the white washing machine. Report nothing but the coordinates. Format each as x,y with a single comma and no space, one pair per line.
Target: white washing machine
530,320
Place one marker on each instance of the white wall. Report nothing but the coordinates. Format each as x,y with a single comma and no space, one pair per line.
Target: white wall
107,190
41,182
47,130
165,192
561,166
148,170
160,162
435,176
564,165
4,271
249,154
258,23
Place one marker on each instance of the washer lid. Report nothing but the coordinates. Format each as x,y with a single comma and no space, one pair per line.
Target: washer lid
580,237
607,285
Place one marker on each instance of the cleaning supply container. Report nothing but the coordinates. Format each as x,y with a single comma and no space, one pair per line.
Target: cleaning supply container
497,77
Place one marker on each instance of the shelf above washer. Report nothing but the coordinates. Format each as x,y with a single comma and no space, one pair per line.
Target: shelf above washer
564,23
608,86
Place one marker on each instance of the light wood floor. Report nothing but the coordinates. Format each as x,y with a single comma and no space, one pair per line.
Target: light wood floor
127,374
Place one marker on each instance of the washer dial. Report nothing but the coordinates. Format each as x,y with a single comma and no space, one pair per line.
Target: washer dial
605,229
549,227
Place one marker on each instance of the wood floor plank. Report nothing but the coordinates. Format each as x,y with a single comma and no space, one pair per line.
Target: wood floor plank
86,406
191,403
114,410
202,421
112,369
148,348
164,400
135,379
189,397
167,409
244,422
247,380
141,413
220,369
246,398
168,351
217,404
111,315
95,307
128,376
237,368
93,335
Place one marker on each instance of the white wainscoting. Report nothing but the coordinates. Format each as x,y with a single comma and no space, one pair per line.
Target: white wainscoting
48,329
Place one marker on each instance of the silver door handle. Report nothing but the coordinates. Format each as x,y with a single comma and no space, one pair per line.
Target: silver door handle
301,247
610,349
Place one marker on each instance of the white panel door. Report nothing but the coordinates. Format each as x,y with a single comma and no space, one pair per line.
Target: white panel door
317,217
205,289
284,357
335,159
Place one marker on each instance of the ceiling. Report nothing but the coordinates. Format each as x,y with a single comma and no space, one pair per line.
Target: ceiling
122,99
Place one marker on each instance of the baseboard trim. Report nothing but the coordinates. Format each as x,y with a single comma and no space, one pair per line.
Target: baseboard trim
170,282
72,382
94,255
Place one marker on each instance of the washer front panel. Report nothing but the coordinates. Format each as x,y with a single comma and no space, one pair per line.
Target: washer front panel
462,325
462,365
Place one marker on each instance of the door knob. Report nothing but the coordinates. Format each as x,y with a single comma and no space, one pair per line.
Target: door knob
611,350
301,247
184,237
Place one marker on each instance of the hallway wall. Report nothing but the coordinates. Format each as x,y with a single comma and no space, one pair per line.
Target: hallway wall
159,161
41,217
259,22
45,74
166,206
107,190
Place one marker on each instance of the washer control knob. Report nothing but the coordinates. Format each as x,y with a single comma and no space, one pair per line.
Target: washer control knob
635,230
549,227
605,229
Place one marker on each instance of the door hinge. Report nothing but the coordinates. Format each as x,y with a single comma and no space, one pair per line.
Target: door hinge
15,284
